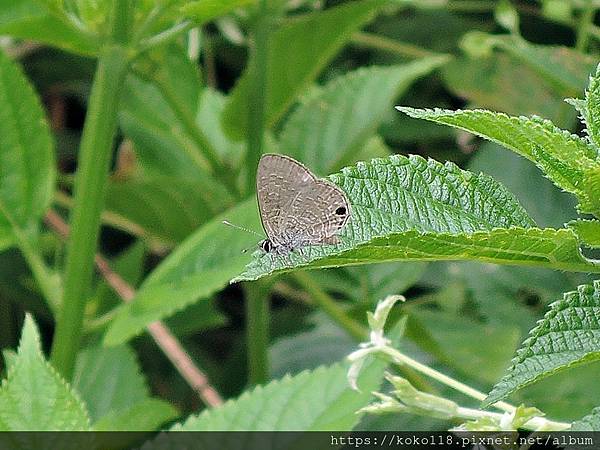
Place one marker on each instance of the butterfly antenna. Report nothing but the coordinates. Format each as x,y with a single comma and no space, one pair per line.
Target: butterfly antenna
242,228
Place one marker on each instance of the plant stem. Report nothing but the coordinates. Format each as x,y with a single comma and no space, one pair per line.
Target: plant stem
90,186
257,93
330,307
257,330
583,26
390,45
401,359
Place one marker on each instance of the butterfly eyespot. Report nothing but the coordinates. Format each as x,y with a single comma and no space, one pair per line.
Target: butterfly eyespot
341,211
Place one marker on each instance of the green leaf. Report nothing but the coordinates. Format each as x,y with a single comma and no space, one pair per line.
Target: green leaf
410,208
27,161
564,68
561,155
590,109
591,422
163,209
326,130
521,177
507,16
203,11
569,335
323,343
316,400
29,19
457,341
199,267
34,397
298,51
108,380
146,415
367,285
483,81
588,231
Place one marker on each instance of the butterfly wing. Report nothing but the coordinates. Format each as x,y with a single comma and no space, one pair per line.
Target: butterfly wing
296,208
318,213
279,179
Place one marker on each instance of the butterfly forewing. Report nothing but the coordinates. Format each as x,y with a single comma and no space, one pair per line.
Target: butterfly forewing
296,208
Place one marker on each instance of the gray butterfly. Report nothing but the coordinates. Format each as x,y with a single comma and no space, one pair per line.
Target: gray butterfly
296,208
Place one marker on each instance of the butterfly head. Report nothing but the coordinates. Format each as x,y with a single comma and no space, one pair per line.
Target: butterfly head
266,246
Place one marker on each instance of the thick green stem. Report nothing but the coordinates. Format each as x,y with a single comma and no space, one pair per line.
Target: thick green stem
90,185
330,307
257,94
257,331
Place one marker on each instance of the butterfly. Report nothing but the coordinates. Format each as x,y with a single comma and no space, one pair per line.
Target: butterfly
296,208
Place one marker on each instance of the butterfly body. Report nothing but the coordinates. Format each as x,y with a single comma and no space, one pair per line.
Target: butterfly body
296,208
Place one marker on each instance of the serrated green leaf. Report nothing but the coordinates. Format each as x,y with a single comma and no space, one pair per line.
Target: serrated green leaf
569,335
590,109
203,11
146,415
108,380
325,131
410,208
298,51
27,165
29,19
561,155
591,422
591,189
316,400
199,267
588,231
34,397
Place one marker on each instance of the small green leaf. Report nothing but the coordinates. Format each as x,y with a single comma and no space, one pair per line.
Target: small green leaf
591,422
299,50
108,380
27,165
561,155
34,397
29,19
199,267
204,11
588,231
325,131
569,335
146,415
507,16
410,208
316,400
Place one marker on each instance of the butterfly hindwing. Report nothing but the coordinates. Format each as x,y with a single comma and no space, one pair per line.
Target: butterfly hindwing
296,208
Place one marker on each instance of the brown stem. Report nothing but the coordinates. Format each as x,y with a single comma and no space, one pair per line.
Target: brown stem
161,334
